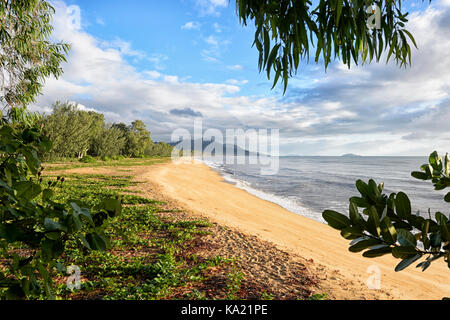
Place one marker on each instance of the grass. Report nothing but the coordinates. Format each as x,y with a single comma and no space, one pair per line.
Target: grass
151,257
126,162
154,254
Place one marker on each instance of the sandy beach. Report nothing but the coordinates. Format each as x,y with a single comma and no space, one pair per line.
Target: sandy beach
343,274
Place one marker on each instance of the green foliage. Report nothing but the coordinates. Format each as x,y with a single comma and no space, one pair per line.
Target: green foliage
109,142
319,296
33,227
151,254
88,159
76,133
234,282
382,224
26,56
288,31
71,130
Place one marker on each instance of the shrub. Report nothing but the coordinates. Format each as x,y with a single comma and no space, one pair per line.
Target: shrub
390,227
88,159
33,228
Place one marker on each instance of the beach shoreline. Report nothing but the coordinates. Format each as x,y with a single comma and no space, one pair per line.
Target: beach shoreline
345,275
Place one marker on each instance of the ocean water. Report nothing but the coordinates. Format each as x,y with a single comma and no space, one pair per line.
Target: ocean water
310,185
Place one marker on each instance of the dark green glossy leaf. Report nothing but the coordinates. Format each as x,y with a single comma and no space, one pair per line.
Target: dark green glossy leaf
402,205
336,220
377,252
406,238
407,262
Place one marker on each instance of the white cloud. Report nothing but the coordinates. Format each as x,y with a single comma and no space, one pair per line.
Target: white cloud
210,7
374,110
124,47
212,41
217,28
401,110
191,25
215,48
235,67
158,60
236,82
100,21
97,75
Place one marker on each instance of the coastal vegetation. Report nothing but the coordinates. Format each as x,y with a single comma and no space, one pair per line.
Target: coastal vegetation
34,229
285,32
382,224
290,32
84,135
48,221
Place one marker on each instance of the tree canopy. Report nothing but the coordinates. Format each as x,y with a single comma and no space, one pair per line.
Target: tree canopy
290,31
76,133
34,229
27,56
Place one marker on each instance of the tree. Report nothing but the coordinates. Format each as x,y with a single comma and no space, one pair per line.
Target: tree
288,31
109,142
390,227
138,139
33,228
26,55
72,130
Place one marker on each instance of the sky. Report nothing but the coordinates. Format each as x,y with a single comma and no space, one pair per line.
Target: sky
169,63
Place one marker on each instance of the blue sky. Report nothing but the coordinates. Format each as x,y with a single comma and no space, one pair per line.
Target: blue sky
194,40
170,62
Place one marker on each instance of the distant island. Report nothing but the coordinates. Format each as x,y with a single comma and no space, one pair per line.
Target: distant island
348,155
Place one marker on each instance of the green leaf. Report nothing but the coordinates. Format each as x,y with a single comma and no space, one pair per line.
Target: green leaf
11,233
374,192
420,175
402,205
97,242
336,220
447,197
355,217
27,190
47,194
339,10
359,202
447,165
410,36
52,249
388,231
51,225
77,213
377,252
271,59
364,244
406,238
112,206
435,240
407,262
266,45
434,160
404,252
373,223
363,188
351,233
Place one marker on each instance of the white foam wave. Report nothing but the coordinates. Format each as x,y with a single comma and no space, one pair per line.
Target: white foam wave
289,203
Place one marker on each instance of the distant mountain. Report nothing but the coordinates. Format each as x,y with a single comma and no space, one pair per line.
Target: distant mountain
203,144
350,155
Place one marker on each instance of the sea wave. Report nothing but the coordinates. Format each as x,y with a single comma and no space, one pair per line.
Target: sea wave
289,203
